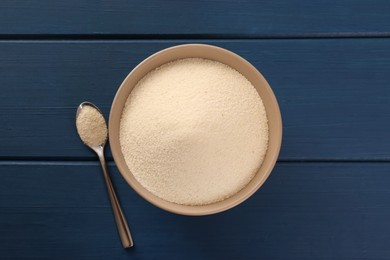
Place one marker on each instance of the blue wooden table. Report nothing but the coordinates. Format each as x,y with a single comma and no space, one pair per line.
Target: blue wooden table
328,63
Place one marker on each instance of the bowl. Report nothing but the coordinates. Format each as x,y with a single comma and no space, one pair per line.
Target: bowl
211,53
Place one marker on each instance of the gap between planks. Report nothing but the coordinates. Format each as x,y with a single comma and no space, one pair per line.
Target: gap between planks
104,37
110,162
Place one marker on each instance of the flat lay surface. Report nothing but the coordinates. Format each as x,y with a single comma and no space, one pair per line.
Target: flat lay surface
328,63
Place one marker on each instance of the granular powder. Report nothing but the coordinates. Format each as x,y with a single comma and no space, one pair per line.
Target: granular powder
91,126
194,131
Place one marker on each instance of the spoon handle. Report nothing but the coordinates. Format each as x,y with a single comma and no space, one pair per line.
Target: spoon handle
120,218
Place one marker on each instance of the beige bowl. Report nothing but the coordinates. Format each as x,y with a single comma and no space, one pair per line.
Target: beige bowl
211,53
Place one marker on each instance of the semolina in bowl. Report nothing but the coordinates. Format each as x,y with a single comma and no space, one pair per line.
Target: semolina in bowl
162,151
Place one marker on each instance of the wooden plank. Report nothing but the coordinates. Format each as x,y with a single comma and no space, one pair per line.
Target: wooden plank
333,94
304,211
178,17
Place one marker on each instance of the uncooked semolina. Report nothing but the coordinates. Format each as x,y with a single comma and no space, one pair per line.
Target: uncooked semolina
194,131
91,126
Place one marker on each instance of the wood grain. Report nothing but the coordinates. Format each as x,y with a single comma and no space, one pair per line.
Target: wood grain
223,18
304,211
333,93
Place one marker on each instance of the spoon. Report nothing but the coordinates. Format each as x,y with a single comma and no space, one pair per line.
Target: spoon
92,129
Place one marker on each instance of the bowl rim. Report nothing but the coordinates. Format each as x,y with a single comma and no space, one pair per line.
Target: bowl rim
187,209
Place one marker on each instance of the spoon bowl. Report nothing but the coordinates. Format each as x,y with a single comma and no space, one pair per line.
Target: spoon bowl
96,148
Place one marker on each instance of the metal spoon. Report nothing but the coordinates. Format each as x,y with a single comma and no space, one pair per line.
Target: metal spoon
120,219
